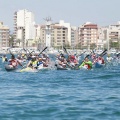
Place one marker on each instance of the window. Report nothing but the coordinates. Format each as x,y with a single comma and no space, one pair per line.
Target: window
58,37
58,31
58,34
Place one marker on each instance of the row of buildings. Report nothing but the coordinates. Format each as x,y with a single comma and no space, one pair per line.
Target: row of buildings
29,34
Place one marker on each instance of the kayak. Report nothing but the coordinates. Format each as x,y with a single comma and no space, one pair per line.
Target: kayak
98,65
10,68
41,67
84,67
59,67
28,69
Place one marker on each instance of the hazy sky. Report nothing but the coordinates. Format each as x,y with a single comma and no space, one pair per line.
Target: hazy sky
77,12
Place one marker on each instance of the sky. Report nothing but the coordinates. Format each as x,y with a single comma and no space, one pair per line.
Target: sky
76,12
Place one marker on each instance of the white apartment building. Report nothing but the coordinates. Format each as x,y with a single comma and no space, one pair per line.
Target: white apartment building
68,26
4,35
24,27
111,33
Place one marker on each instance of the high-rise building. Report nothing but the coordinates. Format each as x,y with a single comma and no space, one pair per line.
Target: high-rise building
88,35
24,27
68,26
4,35
74,37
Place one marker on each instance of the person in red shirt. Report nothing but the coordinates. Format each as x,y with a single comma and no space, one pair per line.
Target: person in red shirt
14,62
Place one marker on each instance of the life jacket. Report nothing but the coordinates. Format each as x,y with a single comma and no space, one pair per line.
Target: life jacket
34,63
39,63
101,60
4,59
88,66
13,63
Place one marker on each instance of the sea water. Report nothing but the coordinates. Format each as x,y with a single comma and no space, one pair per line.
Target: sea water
61,95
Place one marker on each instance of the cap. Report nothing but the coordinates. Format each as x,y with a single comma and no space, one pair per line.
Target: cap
33,56
72,57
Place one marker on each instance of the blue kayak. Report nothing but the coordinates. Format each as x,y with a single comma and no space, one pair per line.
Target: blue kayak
98,65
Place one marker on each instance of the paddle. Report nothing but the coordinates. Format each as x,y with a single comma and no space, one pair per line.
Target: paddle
42,51
65,50
118,54
82,53
10,52
103,52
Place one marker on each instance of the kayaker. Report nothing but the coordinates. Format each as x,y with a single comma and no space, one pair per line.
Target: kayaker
73,61
93,56
4,58
87,64
109,58
14,62
32,63
100,60
45,60
40,63
62,61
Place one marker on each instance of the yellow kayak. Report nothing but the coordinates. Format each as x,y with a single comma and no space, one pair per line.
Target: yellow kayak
28,69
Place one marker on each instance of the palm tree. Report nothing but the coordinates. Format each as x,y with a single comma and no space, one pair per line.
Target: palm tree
11,40
18,41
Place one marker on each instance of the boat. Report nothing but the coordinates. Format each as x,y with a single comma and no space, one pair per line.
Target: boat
10,68
99,65
28,69
59,67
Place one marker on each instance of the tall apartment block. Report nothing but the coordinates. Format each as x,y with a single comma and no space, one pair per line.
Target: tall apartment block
74,37
4,35
88,35
24,27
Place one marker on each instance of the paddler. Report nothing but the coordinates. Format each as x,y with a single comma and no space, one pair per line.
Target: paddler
32,63
14,62
40,63
73,61
100,60
4,58
109,58
87,64
62,61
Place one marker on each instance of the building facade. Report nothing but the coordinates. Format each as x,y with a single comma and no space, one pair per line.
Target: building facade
4,35
74,37
88,35
24,27
58,35
111,36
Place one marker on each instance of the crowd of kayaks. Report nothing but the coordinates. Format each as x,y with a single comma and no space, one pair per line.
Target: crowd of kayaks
32,62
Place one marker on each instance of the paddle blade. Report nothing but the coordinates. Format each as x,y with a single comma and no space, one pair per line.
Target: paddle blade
103,52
